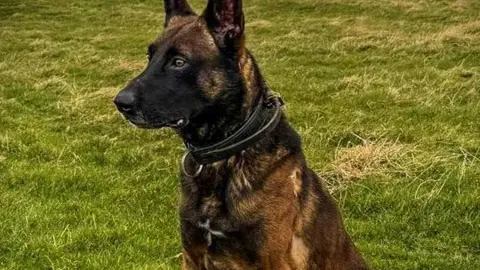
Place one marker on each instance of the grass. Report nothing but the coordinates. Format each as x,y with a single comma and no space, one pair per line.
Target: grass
386,95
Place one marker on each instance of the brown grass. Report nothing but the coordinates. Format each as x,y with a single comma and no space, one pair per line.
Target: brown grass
467,32
371,157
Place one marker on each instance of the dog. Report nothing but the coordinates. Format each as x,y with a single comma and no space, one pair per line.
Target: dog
249,200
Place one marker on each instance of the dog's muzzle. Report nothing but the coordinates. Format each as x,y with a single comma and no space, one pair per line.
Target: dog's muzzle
125,102
127,105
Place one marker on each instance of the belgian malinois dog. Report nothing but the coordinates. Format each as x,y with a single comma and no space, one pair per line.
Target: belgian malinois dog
249,200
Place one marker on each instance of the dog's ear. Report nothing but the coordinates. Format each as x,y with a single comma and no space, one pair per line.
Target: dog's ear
176,8
226,22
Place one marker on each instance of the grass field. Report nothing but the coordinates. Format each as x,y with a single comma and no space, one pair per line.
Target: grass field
386,96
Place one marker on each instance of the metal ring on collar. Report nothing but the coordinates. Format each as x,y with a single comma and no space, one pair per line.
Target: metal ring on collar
197,173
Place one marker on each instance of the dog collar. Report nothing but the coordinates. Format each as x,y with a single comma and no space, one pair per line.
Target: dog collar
263,120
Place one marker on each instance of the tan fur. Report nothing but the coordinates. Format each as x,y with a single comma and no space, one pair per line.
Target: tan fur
246,68
299,252
296,177
307,213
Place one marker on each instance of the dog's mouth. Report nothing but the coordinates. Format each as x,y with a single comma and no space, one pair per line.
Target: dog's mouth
176,124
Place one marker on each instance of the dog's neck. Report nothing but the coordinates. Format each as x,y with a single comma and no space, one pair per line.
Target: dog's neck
221,120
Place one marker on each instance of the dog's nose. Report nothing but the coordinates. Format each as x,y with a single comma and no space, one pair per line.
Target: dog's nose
125,101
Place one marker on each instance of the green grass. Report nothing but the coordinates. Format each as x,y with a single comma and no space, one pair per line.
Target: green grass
386,96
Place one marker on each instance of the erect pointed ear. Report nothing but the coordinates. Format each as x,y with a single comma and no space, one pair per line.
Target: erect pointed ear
176,8
226,22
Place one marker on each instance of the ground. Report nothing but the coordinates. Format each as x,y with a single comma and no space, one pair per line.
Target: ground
385,94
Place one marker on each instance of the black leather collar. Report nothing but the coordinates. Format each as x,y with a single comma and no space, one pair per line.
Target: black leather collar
263,120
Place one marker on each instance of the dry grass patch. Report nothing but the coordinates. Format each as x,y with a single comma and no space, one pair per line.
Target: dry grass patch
466,32
387,159
450,87
370,157
360,35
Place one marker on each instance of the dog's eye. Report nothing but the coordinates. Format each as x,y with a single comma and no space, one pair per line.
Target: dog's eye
178,62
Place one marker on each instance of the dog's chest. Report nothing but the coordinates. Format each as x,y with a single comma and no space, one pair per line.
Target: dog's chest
212,226
210,220
219,244
209,224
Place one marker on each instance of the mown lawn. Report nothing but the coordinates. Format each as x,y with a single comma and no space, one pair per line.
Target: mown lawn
386,95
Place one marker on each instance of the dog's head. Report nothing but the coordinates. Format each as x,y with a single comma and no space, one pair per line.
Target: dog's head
194,66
